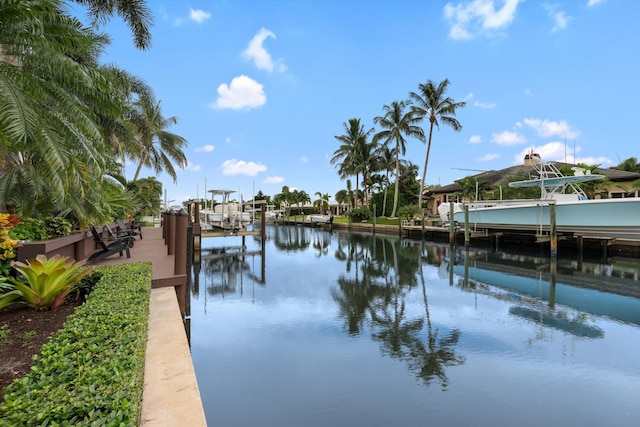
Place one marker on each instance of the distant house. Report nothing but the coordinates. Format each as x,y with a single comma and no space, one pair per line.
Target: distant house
620,184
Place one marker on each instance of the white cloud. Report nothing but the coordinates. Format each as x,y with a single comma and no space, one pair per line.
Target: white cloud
240,167
527,91
475,139
304,159
470,19
591,3
207,148
485,105
559,18
273,180
243,93
198,15
508,138
256,52
487,157
549,128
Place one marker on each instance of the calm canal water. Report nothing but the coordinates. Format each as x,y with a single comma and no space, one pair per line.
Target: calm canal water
348,329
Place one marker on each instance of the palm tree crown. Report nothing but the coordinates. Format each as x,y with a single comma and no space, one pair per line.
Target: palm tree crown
396,124
350,156
158,146
430,102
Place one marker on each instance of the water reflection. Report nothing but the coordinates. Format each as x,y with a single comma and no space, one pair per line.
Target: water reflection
354,329
385,271
581,288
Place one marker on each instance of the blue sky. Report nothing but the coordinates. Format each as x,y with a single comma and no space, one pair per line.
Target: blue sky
260,88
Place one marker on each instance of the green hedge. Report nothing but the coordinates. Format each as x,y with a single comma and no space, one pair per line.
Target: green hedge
91,372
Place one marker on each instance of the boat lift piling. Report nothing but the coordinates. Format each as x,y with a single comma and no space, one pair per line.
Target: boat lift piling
452,225
553,230
467,233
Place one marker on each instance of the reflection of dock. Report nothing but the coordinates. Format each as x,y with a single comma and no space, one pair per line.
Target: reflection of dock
223,233
231,252
526,275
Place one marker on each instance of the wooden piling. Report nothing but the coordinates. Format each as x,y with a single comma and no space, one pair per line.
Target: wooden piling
452,228
467,232
553,230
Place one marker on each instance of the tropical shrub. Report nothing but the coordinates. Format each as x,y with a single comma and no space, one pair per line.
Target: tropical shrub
91,372
47,282
7,293
409,212
29,229
360,214
57,226
7,244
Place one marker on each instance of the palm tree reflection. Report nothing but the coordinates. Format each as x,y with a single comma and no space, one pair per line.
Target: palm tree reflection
375,295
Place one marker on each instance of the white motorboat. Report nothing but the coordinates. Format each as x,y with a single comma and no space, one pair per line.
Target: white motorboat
575,212
273,214
226,215
321,219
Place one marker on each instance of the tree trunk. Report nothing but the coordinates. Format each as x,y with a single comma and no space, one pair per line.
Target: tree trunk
396,192
424,172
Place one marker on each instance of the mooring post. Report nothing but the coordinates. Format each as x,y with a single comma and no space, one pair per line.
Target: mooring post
452,228
467,232
553,230
181,219
263,220
197,231
163,225
580,245
171,231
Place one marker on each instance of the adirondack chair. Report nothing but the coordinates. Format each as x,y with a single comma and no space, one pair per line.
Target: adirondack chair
109,246
126,231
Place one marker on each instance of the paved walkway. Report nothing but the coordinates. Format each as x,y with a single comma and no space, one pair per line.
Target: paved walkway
171,396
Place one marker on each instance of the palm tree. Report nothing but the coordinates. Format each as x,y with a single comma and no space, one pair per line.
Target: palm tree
120,132
396,124
51,146
385,162
630,165
430,102
134,12
158,147
352,146
322,203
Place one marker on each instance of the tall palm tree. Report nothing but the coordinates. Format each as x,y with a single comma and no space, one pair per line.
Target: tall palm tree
385,163
430,103
396,124
120,132
352,147
158,147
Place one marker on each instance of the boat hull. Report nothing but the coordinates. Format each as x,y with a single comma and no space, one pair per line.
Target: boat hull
614,218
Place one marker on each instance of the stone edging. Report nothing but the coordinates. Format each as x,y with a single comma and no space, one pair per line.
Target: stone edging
171,396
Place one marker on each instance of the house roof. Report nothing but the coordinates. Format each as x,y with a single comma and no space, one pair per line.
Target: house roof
495,178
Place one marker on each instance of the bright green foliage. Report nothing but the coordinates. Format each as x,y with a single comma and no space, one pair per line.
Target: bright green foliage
29,229
7,293
360,214
48,281
409,212
57,226
91,373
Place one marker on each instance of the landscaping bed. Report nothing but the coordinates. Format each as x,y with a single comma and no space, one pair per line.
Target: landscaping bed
91,372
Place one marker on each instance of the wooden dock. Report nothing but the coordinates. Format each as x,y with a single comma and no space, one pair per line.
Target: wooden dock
151,248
